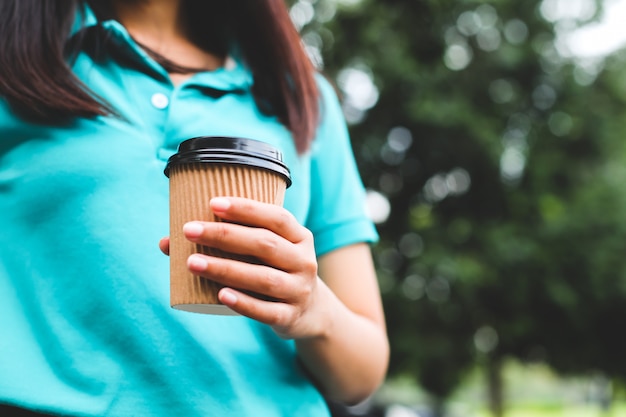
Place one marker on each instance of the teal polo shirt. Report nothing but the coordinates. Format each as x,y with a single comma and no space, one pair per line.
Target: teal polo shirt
85,318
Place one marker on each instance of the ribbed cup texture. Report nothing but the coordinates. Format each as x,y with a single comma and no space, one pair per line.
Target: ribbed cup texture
191,188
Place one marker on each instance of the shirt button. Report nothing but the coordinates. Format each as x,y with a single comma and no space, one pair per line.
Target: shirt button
160,101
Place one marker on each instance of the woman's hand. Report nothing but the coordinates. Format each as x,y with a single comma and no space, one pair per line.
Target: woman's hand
287,269
331,320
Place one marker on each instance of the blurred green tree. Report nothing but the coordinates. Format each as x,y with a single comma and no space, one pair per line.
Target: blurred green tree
503,163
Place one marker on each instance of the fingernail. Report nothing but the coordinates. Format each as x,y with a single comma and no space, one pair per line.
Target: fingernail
227,297
220,204
193,229
197,262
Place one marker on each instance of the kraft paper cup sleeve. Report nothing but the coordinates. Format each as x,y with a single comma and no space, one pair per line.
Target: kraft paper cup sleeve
204,168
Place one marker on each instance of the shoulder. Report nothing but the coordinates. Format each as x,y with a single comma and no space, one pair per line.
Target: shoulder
328,92
331,115
325,85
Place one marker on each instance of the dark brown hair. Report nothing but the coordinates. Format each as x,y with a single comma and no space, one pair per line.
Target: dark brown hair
37,82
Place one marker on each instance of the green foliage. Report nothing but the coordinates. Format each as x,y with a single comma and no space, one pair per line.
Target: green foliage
507,224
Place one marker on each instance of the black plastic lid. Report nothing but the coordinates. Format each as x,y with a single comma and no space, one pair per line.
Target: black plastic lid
230,150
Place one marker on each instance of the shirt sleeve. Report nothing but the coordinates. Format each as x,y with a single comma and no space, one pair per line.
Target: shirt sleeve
337,213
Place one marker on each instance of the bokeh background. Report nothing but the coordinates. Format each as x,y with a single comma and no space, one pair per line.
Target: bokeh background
494,155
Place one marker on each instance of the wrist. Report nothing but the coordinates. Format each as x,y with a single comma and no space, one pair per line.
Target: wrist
324,313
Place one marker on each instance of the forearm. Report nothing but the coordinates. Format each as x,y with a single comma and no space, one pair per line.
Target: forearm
338,322
349,359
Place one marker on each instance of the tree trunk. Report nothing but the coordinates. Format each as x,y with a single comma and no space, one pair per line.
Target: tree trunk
495,386
438,407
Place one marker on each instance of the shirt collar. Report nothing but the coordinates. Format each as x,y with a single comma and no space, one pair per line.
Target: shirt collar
85,17
232,76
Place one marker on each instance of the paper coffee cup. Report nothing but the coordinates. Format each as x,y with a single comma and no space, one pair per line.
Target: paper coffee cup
207,167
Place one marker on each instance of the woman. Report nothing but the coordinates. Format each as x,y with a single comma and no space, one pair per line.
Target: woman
94,97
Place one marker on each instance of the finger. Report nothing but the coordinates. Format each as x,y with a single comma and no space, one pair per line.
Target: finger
260,279
164,245
264,245
275,314
257,214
